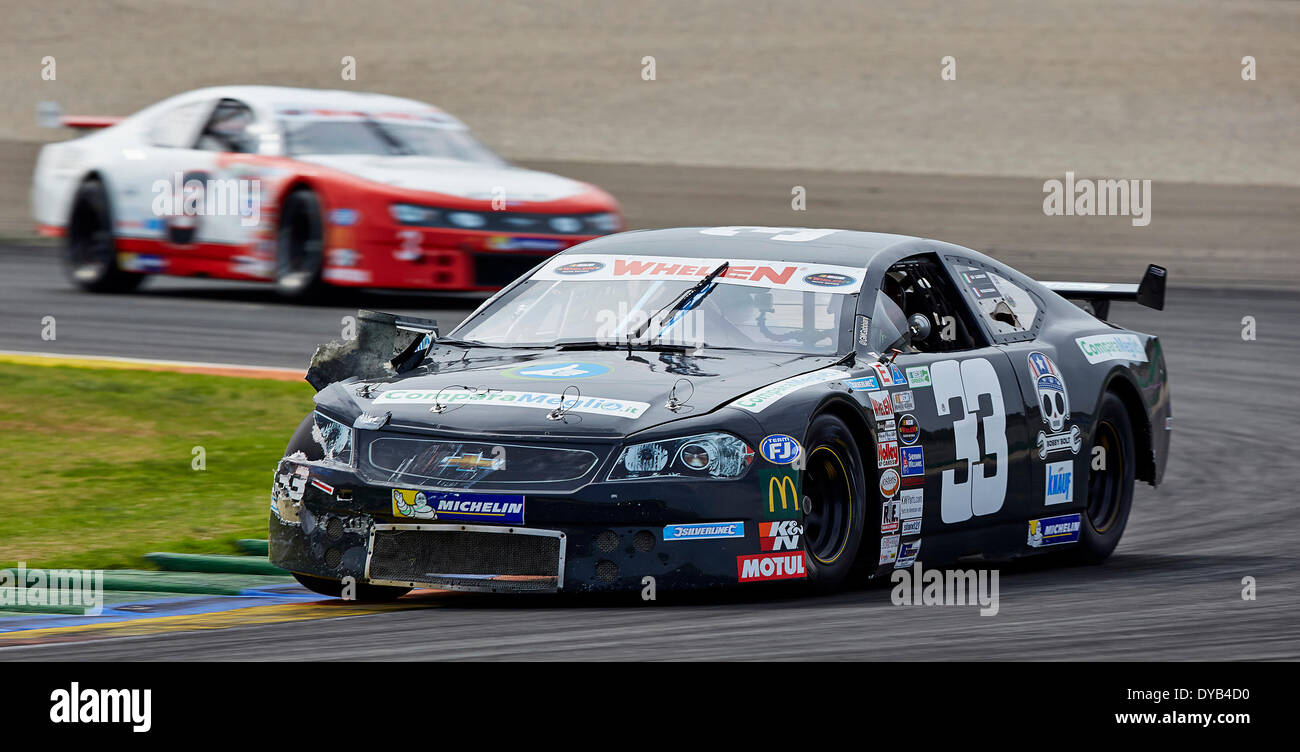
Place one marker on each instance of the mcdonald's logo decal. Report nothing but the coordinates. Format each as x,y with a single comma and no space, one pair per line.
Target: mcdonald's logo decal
781,497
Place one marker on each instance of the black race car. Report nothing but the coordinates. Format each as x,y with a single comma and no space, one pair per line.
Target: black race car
721,406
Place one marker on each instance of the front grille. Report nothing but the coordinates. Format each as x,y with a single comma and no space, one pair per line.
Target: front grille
500,269
467,557
423,462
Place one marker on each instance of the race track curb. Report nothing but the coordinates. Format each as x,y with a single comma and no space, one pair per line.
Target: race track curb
141,364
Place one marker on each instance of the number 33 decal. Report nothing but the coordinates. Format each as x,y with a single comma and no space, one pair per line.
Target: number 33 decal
972,382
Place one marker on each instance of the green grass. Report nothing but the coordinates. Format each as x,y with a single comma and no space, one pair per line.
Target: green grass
95,465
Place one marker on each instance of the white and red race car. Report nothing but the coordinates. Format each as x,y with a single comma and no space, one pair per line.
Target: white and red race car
305,188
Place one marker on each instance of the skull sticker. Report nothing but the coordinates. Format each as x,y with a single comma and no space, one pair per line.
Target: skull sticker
1052,397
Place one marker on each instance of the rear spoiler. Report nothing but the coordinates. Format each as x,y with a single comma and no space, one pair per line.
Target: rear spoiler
88,122
50,115
1096,296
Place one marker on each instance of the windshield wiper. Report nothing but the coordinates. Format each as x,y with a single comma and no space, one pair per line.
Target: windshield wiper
461,343
499,345
597,345
393,142
690,298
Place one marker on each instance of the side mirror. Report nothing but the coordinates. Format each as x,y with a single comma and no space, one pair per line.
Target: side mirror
918,328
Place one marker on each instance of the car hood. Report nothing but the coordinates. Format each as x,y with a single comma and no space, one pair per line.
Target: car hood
454,178
608,394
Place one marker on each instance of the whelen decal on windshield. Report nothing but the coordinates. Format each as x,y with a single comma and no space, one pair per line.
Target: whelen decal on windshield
777,275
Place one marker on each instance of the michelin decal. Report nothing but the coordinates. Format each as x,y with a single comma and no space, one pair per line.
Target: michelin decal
1053,531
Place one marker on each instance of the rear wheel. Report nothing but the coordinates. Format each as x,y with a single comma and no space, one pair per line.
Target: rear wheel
365,593
90,257
1112,466
834,501
300,247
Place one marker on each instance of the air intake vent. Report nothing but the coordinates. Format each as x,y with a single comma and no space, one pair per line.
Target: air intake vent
467,557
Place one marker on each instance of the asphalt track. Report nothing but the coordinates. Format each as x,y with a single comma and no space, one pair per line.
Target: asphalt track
1172,591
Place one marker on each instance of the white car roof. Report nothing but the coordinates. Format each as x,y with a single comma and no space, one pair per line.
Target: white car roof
268,99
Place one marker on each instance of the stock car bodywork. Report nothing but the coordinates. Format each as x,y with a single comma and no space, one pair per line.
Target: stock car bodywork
304,188
714,406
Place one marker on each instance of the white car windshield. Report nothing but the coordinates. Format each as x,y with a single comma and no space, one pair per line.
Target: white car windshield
362,133
602,300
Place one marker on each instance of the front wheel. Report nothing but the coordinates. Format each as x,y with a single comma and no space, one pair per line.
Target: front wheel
834,501
1111,472
365,593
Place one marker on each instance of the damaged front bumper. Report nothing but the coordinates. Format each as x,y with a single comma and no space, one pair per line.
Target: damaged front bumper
328,522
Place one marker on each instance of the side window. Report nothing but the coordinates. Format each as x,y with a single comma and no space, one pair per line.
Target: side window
1009,310
920,285
175,128
228,129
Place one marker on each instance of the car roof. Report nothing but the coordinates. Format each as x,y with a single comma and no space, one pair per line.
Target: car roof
842,247
267,98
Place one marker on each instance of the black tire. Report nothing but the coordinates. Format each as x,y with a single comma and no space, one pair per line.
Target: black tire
300,248
1110,489
365,593
833,492
90,254
301,440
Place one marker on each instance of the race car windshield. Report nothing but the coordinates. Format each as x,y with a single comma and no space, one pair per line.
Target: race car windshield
380,137
549,313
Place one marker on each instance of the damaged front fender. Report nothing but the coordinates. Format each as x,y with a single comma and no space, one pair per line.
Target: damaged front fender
385,345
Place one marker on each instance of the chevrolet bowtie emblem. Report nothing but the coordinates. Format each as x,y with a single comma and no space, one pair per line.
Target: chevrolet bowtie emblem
471,462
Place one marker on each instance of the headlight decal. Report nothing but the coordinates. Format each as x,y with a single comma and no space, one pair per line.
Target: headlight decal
415,215
334,438
710,455
411,214
645,458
